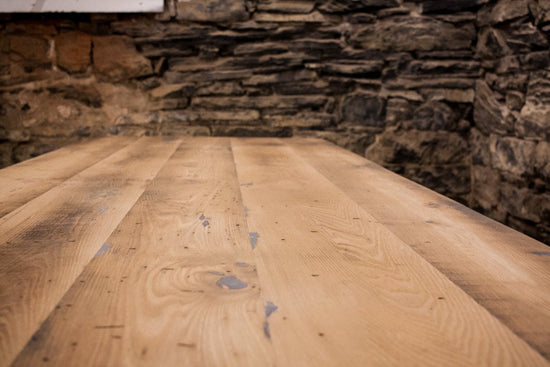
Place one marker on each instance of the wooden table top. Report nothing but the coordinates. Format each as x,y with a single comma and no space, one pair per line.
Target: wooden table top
255,252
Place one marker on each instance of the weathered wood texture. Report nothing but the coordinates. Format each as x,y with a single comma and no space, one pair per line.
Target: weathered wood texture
256,252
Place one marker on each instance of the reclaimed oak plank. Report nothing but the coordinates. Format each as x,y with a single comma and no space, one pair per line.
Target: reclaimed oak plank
349,291
24,181
503,270
46,243
175,286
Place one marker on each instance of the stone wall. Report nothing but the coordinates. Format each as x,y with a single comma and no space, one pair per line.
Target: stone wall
448,93
511,134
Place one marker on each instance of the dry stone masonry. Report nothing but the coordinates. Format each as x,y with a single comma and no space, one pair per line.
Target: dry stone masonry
453,94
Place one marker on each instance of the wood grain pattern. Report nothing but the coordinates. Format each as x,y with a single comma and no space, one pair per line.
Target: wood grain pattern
45,244
502,269
345,282
22,182
258,252
161,294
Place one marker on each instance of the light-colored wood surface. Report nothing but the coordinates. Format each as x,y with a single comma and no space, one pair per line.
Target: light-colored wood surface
505,271
24,181
258,252
45,244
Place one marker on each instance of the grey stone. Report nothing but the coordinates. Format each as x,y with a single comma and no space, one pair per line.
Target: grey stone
413,34
433,115
364,109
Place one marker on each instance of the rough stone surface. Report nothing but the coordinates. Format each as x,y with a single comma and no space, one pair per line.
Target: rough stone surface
73,51
364,109
212,10
512,155
414,34
115,58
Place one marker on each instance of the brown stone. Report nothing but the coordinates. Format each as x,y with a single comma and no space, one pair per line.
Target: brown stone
313,17
73,51
219,11
491,44
485,187
542,160
535,113
173,91
490,115
479,144
366,69
520,202
289,7
398,110
413,34
344,6
433,115
449,6
506,10
300,120
435,68
29,51
515,100
116,59
449,95
272,102
451,180
178,129
252,131
396,146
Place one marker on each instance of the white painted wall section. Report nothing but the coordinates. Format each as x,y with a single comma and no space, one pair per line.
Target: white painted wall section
81,6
